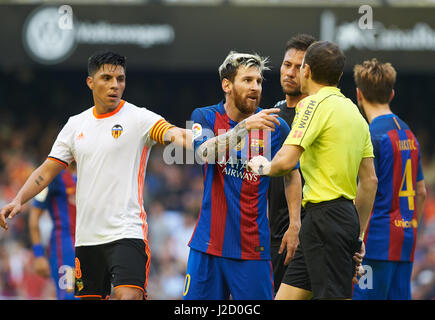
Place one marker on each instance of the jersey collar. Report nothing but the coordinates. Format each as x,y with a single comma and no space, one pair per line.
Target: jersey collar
382,116
329,90
109,114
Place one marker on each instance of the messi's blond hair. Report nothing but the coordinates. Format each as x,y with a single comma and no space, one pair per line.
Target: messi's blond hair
234,60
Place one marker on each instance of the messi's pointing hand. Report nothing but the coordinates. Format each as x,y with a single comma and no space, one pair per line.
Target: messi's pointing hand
266,119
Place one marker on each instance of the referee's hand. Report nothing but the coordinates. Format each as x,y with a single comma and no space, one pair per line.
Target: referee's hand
290,241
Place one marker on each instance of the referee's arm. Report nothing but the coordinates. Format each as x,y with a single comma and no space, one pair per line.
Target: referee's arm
293,195
284,161
365,197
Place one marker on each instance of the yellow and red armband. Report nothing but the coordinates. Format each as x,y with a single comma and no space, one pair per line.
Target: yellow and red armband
159,129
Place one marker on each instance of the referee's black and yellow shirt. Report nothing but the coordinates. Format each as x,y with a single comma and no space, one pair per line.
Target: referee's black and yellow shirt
335,138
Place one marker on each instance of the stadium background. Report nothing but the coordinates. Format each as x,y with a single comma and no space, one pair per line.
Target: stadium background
174,48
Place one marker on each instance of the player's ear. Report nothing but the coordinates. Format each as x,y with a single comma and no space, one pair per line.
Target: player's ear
307,71
358,94
90,82
392,95
226,86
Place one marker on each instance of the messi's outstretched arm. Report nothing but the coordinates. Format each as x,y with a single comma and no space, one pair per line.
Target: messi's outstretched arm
214,148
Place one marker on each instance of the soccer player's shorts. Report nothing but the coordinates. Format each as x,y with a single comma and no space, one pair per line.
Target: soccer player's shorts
328,239
384,280
211,277
123,262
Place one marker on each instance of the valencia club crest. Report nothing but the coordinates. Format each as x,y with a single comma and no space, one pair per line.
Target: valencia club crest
116,131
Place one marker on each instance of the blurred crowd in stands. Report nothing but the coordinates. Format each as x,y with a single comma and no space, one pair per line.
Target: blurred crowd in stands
172,199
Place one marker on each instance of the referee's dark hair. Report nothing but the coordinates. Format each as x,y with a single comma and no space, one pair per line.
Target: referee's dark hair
326,61
300,42
101,58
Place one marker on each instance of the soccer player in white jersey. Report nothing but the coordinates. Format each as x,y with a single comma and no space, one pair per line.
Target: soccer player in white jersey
110,143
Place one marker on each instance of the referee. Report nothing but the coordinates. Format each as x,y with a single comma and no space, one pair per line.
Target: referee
332,140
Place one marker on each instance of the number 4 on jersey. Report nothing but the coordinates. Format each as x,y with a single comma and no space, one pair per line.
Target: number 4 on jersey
409,192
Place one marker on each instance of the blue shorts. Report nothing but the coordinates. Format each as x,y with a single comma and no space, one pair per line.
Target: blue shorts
384,280
211,277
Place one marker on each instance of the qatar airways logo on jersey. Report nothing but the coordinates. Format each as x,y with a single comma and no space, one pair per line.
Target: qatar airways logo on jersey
237,168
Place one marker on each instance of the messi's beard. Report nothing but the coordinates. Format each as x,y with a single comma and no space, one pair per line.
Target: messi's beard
241,103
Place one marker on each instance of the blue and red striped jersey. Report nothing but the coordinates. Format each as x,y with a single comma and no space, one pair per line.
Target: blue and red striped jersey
392,230
233,220
60,203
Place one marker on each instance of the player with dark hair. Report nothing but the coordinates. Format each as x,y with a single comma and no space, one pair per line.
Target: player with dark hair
59,200
99,59
391,233
229,248
285,223
332,140
110,143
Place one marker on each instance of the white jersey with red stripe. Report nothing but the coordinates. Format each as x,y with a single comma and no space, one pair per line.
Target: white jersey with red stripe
111,152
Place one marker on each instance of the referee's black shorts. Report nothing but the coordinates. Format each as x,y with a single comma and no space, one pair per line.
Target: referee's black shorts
323,262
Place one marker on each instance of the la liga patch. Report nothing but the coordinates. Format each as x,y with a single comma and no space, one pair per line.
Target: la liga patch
197,130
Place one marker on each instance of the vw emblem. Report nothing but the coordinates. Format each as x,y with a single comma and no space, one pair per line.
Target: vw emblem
44,40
